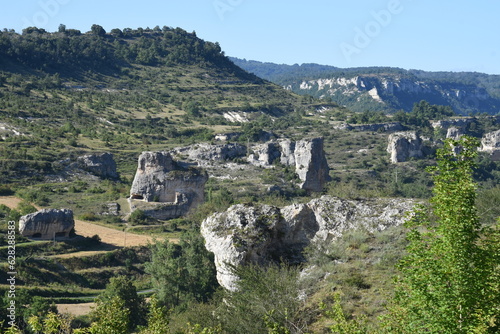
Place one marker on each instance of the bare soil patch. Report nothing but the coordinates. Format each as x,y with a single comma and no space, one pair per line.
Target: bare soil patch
75,309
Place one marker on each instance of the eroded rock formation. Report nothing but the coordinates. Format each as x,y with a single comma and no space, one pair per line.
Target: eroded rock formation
405,145
47,224
206,152
260,234
307,156
491,143
175,190
100,164
311,165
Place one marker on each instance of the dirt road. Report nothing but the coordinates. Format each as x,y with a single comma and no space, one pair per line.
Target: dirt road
108,235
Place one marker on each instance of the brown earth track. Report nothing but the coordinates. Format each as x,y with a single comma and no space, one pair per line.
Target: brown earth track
108,235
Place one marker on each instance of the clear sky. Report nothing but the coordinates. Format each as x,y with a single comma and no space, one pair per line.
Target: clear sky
433,35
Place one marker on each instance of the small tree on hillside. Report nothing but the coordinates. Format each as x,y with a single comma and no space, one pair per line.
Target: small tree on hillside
449,281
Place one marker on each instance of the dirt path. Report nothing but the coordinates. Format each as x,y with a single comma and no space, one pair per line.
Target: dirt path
108,235
10,201
75,309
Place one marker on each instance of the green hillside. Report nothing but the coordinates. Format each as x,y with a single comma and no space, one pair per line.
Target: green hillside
70,92
67,93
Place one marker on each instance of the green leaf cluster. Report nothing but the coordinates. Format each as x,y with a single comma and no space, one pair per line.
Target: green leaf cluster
449,280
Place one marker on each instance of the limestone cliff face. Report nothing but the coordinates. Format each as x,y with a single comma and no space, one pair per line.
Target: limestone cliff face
100,164
397,92
260,234
160,179
47,224
405,145
491,143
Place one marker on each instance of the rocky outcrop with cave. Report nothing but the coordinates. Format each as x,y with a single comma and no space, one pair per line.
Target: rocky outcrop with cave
47,224
163,189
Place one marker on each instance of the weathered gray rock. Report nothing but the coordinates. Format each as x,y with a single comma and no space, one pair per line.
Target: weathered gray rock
405,145
100,164
110,209
265,154
160,179
457,122
47,224
455,133
287,148
491,143
311,165
262,234
307,156
208,152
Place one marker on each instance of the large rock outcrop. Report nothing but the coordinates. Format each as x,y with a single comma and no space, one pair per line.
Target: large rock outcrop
405,145
100,164
204,152
385,127
260,234
311,165
491,143
47,224
264,154
175,190
307,156
455,133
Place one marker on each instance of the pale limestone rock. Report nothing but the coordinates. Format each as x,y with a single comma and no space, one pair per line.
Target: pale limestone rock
311,165
47,224
100,164
160,179
455,132
287,148
491,143
405,145
203,152
307,156
262,234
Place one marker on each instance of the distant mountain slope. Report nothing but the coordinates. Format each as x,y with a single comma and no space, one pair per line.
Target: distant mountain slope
385,88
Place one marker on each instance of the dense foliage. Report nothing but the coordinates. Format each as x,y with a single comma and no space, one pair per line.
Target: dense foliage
449,279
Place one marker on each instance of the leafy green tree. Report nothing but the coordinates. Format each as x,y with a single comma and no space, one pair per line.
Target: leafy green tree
158,318
184,272
98,30
122,287
449,280
112,317
52,323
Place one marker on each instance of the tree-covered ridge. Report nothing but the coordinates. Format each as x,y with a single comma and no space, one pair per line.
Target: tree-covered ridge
283,73
70,49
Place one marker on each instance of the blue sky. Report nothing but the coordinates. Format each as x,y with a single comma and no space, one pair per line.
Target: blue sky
459,35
